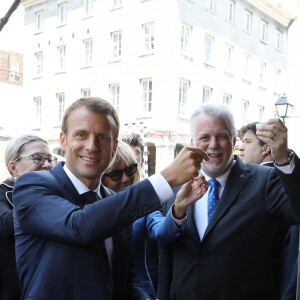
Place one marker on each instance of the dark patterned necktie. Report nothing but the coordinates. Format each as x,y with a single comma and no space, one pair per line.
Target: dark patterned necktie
213,198
90,197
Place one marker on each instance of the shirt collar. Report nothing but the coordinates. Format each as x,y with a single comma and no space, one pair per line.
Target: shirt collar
223,178
79,186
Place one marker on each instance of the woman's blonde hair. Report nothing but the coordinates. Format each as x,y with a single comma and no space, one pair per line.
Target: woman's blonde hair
126,154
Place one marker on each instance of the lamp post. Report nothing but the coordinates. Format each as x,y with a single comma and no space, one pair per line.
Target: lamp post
283,107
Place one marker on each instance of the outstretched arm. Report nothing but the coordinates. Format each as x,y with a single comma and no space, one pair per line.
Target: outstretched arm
166,229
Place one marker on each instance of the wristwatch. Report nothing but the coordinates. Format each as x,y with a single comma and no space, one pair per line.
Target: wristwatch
291,155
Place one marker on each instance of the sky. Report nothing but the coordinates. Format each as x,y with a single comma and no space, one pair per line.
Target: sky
10,35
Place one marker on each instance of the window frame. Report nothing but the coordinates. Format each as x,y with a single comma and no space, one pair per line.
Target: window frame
114,89
61,104
62,13
37,102
184,86
186,32
149,36
116,44
87,52
147,94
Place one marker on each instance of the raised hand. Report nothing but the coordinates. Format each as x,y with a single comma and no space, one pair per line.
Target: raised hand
185,166
189,193
274,133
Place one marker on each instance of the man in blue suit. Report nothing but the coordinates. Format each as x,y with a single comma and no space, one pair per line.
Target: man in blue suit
69,244
227,253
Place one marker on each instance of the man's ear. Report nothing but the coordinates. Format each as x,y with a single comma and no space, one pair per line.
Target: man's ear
62,139
115,147
266,149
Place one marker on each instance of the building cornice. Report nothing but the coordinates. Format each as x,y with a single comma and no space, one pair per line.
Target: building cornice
276,10
28,3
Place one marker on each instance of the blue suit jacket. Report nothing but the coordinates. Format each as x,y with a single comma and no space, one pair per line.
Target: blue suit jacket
60,249
233,260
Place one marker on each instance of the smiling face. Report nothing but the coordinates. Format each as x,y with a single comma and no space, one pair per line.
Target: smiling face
213,136
89,144
125,180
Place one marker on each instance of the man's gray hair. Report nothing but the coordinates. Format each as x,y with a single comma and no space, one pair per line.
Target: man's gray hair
215,110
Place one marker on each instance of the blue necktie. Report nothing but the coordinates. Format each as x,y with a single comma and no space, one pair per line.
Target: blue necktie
213,198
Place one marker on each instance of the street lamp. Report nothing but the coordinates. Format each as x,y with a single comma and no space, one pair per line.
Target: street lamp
283,107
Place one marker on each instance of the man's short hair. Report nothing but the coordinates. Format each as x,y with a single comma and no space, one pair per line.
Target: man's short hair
251,127
93,104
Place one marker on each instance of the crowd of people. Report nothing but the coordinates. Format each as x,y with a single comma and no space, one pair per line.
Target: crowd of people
211,225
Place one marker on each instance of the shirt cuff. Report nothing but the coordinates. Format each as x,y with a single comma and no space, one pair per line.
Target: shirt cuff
161,187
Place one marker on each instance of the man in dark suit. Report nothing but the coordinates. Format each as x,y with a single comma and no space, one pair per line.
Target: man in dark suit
227,254
69,244
285,254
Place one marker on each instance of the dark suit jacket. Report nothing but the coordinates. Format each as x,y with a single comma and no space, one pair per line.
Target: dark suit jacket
60,242
234,259
9,281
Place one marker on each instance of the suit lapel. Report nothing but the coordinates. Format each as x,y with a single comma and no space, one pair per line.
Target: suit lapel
68,190
237,179
191,225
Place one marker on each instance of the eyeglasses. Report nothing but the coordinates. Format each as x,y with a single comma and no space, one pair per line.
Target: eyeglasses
40,159
116,175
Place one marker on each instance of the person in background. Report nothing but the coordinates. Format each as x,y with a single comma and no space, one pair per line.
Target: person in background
25,153
124,172
224,250
253,150
71,232
135,141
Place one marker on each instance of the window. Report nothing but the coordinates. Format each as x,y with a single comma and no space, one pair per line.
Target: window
248,21
37,102
38,64
86,92
62,13
278,39
227,99
115,95
146,85
208,48
117,2
262,69
61,105
185,37
39,21
260,113
264,31
14,71
230,11
61,58
148,30
183,94
117,43
88,7
246,66
207,94
212,5
277,75
245,107
228,57
87,52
